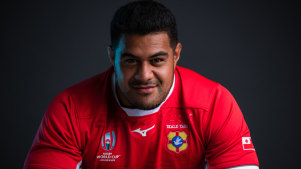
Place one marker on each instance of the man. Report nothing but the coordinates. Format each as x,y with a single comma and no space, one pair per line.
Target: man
144,112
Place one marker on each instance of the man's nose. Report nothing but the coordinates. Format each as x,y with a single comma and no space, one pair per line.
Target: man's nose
144,72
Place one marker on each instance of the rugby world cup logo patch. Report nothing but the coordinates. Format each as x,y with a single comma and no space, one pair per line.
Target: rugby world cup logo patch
177,141
108,141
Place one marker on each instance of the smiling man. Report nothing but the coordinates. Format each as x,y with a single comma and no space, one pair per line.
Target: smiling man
144,66
144,111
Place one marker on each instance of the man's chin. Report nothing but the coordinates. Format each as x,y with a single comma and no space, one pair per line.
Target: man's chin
146,101
146,104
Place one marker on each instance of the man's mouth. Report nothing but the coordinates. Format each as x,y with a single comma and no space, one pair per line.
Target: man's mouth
145,88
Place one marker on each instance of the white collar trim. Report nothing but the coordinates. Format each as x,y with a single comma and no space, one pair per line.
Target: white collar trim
139,112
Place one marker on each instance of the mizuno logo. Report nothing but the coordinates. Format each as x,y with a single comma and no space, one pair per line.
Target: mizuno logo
143,132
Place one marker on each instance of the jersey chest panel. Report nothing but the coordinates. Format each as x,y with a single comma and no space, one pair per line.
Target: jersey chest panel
167,139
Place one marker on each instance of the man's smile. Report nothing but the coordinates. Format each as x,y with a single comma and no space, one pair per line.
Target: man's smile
145,89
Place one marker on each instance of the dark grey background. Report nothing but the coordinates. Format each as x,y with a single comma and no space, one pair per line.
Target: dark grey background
249,47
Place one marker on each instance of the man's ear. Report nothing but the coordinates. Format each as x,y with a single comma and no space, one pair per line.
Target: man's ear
111,54
177,53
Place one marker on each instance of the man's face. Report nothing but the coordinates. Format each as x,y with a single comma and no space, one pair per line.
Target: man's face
144,68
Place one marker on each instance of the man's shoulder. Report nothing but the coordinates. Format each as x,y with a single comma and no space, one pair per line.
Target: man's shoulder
190,77
92,93
197,91
94,84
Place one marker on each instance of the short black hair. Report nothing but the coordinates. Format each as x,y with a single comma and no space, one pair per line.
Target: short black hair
143,17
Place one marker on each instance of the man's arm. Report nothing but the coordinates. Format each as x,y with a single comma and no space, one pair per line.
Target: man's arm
57,143
240,167
228,138
245,167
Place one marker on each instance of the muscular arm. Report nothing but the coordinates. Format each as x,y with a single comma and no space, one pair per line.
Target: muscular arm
228,137
57,143
245,167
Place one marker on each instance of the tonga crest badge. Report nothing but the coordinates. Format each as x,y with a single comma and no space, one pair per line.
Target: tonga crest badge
177,141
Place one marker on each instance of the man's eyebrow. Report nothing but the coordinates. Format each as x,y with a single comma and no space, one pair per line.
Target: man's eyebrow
128,55
161,53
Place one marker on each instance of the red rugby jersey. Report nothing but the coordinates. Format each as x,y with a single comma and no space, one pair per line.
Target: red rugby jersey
200,120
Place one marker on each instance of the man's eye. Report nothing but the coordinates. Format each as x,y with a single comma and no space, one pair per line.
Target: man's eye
130,61
157,60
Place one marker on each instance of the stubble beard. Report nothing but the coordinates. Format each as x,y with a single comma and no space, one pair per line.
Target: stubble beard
147,101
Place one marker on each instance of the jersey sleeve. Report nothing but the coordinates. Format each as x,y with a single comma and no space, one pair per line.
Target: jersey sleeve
56,144
228,138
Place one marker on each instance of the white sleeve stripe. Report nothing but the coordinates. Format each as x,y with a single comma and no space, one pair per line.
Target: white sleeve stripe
245,167
78,165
